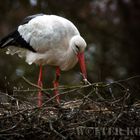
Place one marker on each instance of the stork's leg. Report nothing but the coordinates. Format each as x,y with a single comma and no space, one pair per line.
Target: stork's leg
56,84
39,83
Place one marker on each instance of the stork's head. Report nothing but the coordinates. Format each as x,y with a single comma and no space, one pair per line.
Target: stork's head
78,46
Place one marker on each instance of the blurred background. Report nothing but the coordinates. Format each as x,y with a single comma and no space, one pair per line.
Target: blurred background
111,29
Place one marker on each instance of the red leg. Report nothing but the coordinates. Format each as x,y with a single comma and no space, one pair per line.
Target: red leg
40,84
56,84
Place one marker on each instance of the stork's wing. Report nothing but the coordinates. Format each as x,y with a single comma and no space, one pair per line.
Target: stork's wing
15,39
27,19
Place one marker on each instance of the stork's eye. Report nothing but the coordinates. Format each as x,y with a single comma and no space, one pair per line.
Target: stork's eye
77,47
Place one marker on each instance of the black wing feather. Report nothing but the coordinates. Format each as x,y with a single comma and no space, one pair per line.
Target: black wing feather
15,39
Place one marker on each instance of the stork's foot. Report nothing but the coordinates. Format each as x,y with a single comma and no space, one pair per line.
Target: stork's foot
56,92
56,84
39,83
39,99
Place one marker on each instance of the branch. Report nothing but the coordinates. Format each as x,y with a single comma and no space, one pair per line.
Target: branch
30,83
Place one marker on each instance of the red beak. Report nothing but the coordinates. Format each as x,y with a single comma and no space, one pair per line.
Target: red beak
81,59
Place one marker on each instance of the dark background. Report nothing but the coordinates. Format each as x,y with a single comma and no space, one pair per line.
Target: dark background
111,29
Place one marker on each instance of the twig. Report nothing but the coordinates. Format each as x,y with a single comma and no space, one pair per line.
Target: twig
30,83
61,121
130,78
57,133
11,128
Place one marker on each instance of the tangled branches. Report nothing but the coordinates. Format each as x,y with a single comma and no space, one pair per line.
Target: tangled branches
98,110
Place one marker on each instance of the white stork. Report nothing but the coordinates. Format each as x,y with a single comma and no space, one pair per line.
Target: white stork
47,40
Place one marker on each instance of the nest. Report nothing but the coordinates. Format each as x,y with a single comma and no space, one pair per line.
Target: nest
97,110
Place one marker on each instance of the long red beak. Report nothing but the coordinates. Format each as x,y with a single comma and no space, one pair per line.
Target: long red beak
81,59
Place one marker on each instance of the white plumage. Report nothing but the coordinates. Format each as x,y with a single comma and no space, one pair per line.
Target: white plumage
53,38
